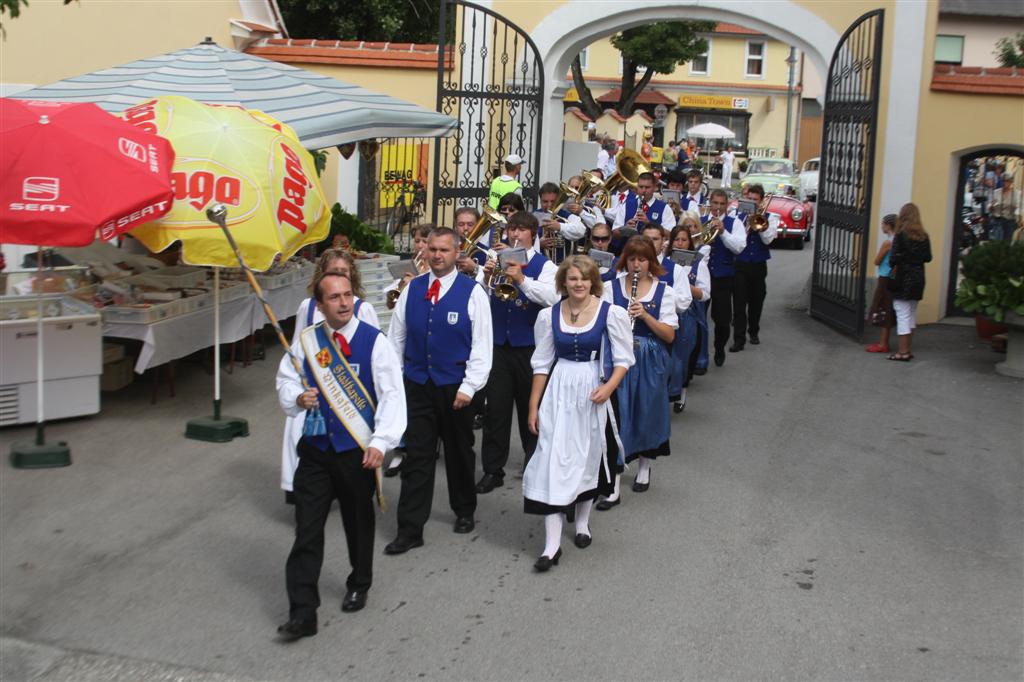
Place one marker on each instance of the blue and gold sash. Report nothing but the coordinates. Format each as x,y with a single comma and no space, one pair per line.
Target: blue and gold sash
341,391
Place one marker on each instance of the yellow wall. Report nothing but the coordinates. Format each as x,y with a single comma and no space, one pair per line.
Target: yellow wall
418,86
51,41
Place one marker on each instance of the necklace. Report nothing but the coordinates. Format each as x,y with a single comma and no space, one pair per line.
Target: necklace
575,316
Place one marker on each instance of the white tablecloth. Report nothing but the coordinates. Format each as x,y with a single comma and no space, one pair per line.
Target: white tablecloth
183,335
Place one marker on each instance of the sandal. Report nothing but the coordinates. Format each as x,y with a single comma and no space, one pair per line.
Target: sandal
902,357
877,348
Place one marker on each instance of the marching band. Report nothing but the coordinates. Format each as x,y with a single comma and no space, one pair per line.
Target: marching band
587,318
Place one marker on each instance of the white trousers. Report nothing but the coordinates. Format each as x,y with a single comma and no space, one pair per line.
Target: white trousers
906,316
726,176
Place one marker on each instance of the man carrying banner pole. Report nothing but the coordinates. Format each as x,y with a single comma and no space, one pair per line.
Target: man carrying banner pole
355,409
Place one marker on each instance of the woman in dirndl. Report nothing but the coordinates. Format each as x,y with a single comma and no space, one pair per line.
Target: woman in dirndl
583,349
685,346
643,395
340,262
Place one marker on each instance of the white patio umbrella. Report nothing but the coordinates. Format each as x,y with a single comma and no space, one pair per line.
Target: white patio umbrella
323,111
710,131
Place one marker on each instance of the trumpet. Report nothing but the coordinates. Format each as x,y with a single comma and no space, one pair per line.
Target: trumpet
500,285
392,296
758,221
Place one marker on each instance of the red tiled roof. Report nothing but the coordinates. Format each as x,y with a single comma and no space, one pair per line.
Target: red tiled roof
978,80
575,111
259,28
349,52
703,85
614,114
647,96
736,29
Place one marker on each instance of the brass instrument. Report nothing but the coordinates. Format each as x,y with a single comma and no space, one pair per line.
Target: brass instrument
629,165
488,218
709,231
566,194
758,221
500,285
392,296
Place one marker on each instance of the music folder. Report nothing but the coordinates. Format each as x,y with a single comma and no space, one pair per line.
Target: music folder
683,257
401,268
747,206
516,255
603,259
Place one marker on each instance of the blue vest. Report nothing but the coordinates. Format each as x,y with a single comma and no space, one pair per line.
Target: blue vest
585,346
669,277
654,212
722,262
361,346
701,200
756,251
612,272
513,320
652,306
438,337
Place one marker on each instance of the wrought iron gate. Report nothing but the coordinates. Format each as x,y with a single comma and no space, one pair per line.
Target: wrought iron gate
489,77
847,173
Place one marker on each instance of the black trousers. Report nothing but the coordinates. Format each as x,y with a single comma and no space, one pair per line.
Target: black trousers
721,309
431,416
508,386
748,298
321,478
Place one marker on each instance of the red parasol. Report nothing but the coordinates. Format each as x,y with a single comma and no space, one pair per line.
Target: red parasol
70,171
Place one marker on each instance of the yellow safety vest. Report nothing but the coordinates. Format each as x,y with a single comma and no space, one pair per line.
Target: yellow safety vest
500,188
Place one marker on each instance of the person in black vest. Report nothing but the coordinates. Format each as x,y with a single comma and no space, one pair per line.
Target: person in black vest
722,263
441,328
751,273
511,373
569,229
340,448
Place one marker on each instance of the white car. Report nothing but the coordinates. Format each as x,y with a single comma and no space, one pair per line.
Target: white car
809,180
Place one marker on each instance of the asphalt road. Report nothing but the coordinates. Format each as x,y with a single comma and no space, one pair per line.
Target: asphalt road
825,515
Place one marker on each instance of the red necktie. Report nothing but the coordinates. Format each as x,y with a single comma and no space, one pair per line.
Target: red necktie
342,344
622,197
434,292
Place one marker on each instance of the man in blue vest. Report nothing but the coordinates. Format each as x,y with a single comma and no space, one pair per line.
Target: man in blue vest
569,229
694,198
639,208
355,412
732,239
751,273
441,328
511,377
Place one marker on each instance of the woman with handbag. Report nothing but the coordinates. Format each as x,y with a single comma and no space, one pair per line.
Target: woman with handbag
910,251
881,313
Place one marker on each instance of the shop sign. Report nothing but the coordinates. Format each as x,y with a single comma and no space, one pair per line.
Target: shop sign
713,102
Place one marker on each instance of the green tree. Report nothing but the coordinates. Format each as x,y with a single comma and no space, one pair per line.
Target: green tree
1010,51
403,21
658,48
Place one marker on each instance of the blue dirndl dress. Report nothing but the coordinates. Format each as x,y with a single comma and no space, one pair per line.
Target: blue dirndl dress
645,414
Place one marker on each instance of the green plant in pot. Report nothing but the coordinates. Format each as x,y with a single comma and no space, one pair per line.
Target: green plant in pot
993,286
361,236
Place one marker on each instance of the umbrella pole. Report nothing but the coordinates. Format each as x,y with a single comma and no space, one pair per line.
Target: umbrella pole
219,218
216,429
39,455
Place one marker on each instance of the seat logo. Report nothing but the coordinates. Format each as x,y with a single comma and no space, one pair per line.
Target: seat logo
132,149
38,188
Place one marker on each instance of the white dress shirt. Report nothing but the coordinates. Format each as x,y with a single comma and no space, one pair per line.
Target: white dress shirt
389,420
772,231
703,278
667,220
680,285
367,314
592,215
690,202
667,313
620,337
734,236
478,366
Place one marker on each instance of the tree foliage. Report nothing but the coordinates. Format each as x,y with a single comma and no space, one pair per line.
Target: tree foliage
655,48
404,21
1010,51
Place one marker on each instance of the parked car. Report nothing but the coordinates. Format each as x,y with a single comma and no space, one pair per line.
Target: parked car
809,179
775,175
796,218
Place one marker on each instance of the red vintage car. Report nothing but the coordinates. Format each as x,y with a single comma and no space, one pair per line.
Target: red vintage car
796,218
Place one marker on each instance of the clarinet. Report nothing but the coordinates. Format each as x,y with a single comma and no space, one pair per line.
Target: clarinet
632,299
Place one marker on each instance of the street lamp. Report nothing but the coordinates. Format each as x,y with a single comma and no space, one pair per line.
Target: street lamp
791,60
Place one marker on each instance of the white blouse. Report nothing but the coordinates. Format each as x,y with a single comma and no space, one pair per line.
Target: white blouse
619,334
667,313
703,278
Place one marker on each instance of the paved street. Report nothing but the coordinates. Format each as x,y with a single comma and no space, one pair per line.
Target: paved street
826,514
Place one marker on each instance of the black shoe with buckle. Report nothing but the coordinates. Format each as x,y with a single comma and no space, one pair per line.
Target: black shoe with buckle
296,629
464,524
401,545
354,600
489,482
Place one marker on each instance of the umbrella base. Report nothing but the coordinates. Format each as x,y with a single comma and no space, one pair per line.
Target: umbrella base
216,429
45,456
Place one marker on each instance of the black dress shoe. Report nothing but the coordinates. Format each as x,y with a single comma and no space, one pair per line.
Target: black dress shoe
393,471
296,629
754,340
289,497
678,407
582,541
719,358
353,601
464,524
545,562
641,487
700,371
606,504
736,346
402,545
489,482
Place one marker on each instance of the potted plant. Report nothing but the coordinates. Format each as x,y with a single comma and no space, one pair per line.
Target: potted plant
993,286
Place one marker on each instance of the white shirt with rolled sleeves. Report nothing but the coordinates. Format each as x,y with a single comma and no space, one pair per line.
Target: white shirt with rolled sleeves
668,218
390,416
592,215
571,228
540,290
478,366
666,314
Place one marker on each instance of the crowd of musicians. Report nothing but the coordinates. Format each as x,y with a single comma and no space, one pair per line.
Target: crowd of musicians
586,318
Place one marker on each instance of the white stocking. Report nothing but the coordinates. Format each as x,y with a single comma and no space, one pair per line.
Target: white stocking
552,534
643,473
615,495
583,516
682,396
396,460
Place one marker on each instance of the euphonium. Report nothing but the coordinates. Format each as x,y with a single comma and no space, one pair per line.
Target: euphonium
628,167
709,231
499,284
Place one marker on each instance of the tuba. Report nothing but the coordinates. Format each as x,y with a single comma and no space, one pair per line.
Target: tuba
488,218
629,165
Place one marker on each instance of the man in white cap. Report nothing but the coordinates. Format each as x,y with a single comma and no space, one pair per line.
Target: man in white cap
508,183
